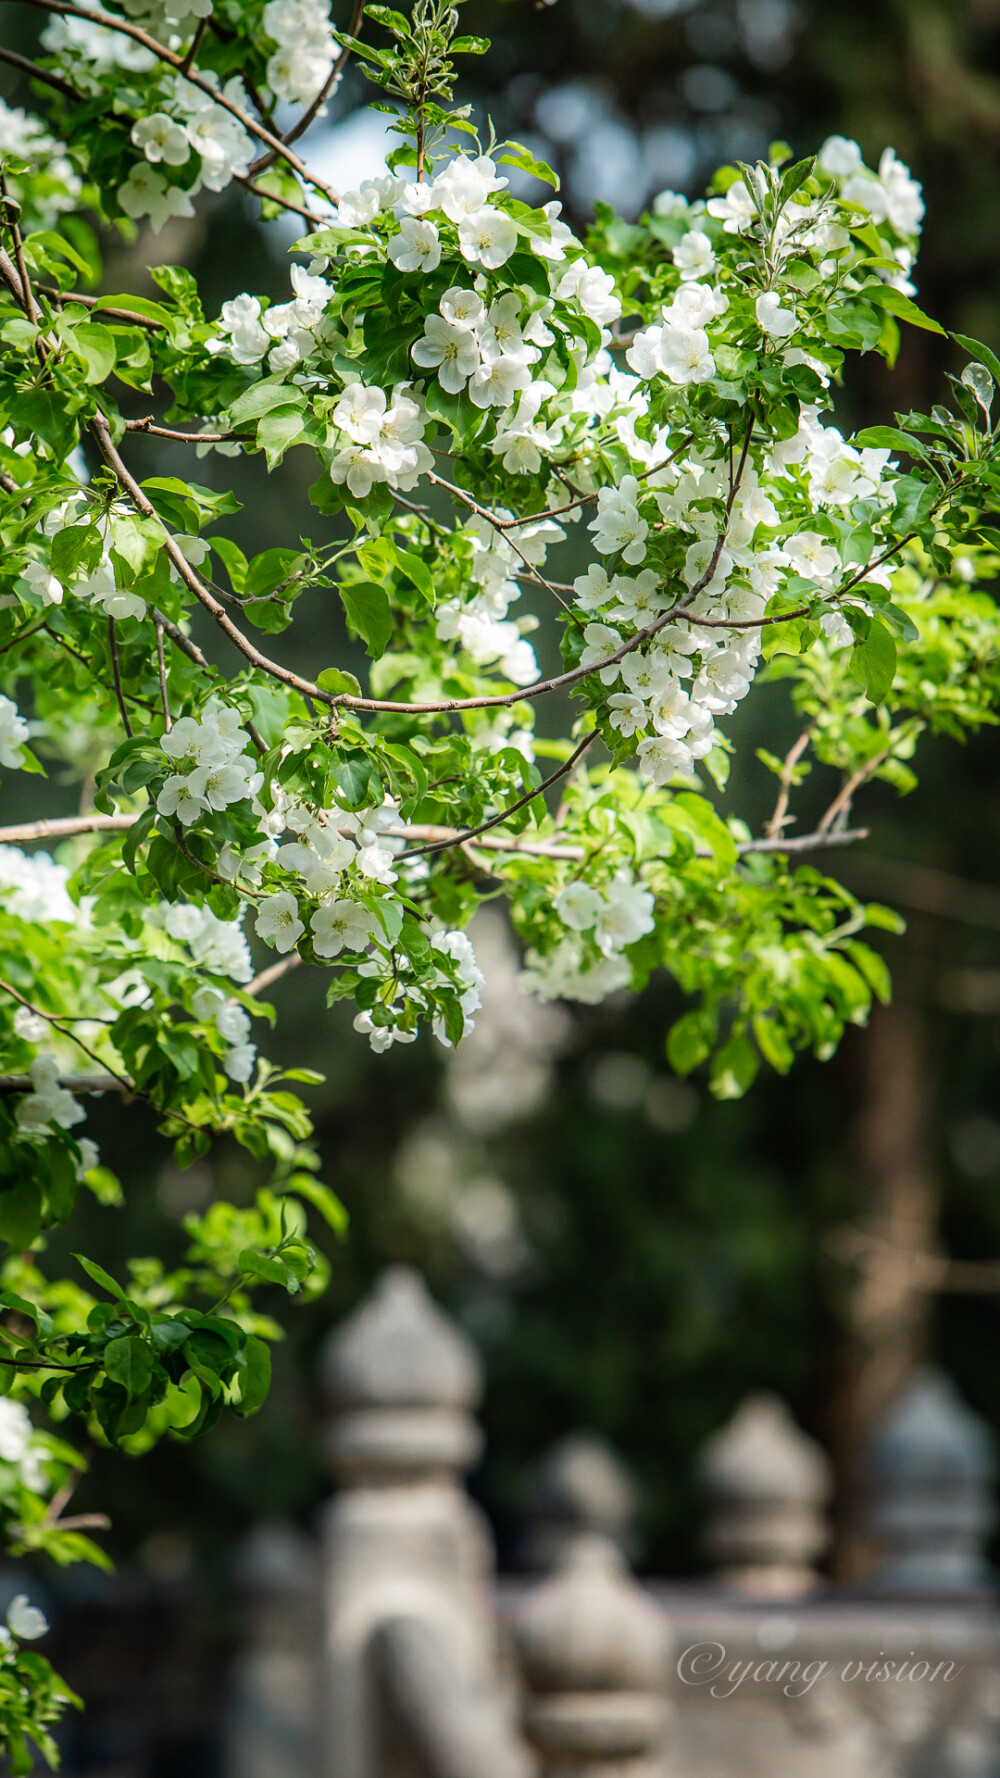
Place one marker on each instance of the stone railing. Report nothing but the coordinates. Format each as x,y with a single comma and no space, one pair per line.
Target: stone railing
428,1667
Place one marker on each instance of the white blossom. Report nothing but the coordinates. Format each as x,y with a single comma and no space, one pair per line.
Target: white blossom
450,349
13,734
341,925
162,138
417,247
735,210
278,921
777,322
147,193
488,238
694,255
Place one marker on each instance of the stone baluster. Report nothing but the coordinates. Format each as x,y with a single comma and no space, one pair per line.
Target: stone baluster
271,1718
404,1545
579,1485
931,1471
767,1485
593,1652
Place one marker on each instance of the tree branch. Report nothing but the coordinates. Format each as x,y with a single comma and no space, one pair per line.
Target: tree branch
64,9
786,778
43,74
470,833
116,670
330,86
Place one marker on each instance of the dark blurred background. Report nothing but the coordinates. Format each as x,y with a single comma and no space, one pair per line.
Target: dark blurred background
631,1256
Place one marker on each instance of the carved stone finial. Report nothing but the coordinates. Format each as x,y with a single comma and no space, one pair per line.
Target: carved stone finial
581,1484
593,1651
932,1467
767,1485
402,1379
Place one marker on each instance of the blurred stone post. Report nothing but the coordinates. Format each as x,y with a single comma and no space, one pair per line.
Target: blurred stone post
579,1485
932,1472
272,1713
403,1542
767,1486
593,1651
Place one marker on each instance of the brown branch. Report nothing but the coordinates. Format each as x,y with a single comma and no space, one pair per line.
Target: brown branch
274,197
44,74
73,1083
147,425
102,432
63,826
787,774
841,804
90,302
273,974
470,833
63,9
299,129
184,643
806,842
484,513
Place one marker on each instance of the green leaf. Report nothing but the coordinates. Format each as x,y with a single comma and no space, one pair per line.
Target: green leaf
277,431
270,1269
528,163
690,1041
416,570
334,679
129,1361
96,346
735,1068
100,1276
983,353
873,661
322,1198
20,1213
233,560
42,1319
884,296
255,1377
369,613
260,398
873,967
914,500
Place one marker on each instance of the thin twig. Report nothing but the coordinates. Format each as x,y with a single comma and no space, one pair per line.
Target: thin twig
787,774
312,111
147,425
43,74
470,833
273,974
841,804
161,668
113,649
73,1083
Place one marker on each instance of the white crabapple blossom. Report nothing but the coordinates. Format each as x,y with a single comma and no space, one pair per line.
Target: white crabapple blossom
146,192
301,65
451,349
162,138
417,247
14,733
777,321
277,921
341,925
694,255
487,237
618,527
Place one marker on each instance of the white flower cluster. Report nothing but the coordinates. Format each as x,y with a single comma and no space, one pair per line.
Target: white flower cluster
220,770
470,979
99,587
218,945
232,1025
286,331
384,439
328,842
48,1103
680,349
89,50
487,351
303,61
24,136
480,623
890,195
196,123
33,887
616,917
13,734
17,1447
